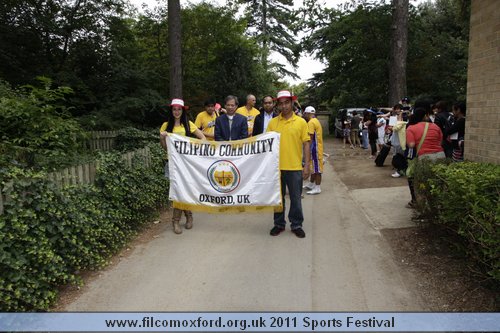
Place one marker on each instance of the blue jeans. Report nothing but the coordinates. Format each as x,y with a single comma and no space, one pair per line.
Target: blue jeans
365,138
292,180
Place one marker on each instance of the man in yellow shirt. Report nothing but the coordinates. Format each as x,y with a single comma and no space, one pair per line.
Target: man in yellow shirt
316,133
250,112
205,120
294,145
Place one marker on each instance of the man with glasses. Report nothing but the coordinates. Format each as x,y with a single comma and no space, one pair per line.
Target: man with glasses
230,125
266,114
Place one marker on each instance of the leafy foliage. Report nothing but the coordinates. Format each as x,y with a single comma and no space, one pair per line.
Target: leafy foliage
48,234
438,50
464,198
36,124
131,138
354,44
355,47
219,59
117,61
274,24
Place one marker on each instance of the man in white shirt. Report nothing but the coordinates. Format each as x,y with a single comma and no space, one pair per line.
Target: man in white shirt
231,125
266,114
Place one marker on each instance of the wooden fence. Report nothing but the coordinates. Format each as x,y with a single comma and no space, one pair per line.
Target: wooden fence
86,173
102,140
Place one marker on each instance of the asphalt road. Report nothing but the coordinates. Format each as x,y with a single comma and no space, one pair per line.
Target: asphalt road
231,263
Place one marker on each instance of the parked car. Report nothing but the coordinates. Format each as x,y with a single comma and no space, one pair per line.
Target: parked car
348,114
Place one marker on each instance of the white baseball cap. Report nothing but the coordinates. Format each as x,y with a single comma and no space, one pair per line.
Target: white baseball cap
310,109
177,102
285,94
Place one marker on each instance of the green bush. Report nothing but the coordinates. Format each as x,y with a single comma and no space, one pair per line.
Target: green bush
464,198
47,234
37,129
130,138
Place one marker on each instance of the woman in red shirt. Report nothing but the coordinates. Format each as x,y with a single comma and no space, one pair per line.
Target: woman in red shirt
431,145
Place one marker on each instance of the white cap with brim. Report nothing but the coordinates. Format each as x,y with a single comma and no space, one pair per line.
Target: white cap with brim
310,109
177,102
285,94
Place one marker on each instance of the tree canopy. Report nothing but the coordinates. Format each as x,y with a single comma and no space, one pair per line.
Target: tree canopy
354,43
116,60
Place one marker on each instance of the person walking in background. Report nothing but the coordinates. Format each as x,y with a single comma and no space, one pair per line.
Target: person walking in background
443,119
346,131
355,129
398,142
316,133
178,123
406,108
294,149
364,131
423,139
266,114
230,125
297,108
456,133
205,120
381,123
371,125
250,112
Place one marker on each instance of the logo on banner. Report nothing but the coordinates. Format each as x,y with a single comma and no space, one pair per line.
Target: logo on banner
224,176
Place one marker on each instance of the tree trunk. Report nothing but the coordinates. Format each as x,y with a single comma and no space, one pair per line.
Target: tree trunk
174,44
265,51
399,50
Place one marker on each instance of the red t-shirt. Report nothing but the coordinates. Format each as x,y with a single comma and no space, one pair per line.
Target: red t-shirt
432,141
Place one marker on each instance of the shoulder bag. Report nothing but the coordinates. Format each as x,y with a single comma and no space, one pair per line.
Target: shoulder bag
412,163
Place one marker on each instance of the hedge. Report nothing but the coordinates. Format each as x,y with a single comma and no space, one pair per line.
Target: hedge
464,198
48,234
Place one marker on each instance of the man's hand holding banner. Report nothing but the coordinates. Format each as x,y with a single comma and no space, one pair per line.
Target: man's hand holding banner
225,176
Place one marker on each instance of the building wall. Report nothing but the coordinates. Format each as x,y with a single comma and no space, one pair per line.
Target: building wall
482,132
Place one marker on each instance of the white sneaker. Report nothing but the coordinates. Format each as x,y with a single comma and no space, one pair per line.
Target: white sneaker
315,190
395,175
308,186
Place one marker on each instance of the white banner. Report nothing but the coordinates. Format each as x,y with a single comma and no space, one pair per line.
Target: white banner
225,176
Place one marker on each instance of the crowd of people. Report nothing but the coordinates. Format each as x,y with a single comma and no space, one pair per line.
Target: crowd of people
301,144
424,130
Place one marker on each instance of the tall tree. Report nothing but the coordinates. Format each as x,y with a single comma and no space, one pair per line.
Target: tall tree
399,51
354,48
438,49
272,23
175,48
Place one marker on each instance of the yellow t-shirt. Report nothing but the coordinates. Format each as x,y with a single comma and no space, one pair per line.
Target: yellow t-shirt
294,132
179,129
206,123
250,115
316,129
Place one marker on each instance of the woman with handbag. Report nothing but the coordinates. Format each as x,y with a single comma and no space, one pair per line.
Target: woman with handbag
423,140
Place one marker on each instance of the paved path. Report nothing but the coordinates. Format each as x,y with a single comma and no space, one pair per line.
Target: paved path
230,263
